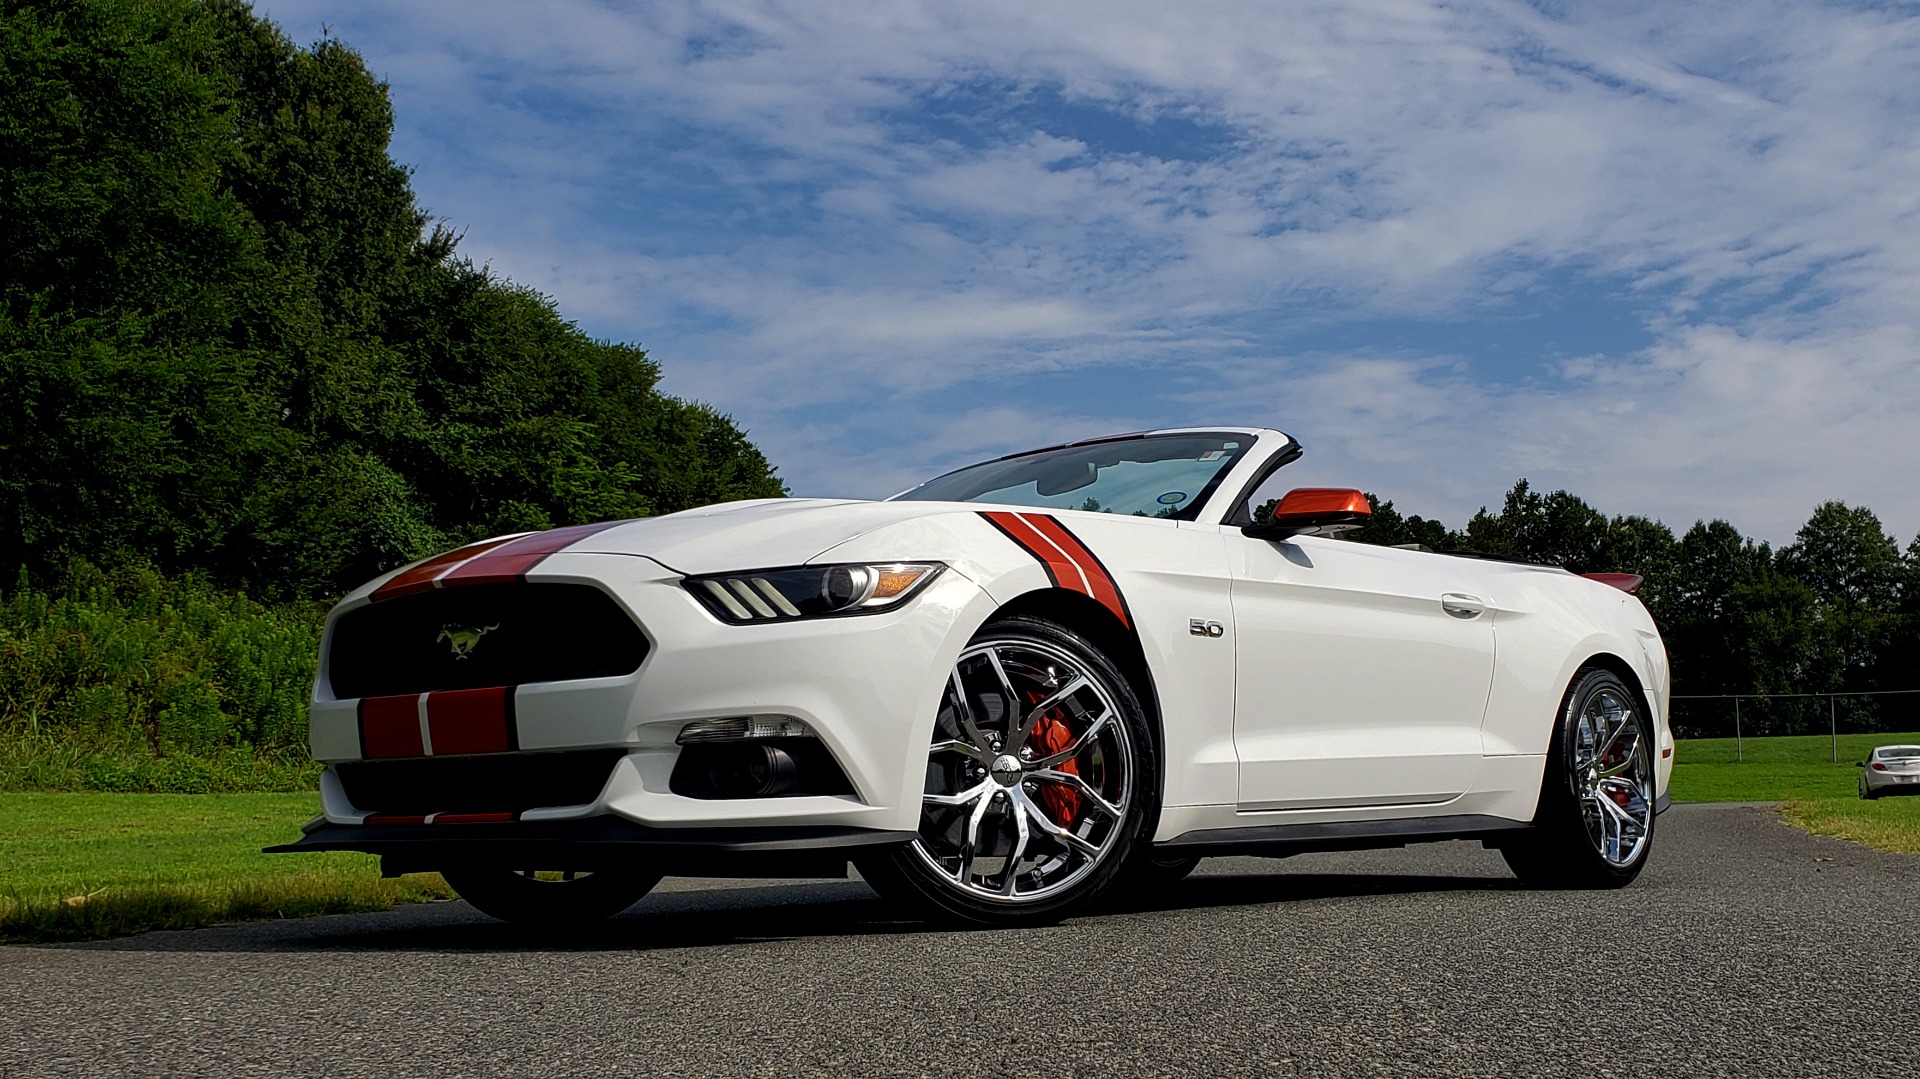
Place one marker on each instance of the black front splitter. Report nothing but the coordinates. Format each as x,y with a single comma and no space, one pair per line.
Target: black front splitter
603,842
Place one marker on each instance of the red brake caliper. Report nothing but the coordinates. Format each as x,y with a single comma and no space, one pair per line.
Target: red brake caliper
1062,803
1619,796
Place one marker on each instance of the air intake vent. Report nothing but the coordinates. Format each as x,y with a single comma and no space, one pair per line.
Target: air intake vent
482,635
502,783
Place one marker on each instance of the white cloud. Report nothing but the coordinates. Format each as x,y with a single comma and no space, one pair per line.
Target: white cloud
762,193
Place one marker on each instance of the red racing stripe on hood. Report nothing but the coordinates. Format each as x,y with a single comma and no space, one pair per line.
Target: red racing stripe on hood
511,561
424,576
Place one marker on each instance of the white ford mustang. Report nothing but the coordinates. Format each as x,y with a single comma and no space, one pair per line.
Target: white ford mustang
999,694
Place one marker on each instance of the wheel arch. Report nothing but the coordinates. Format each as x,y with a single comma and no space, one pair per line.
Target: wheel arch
1617,665
1608,661
1120,643
1602,657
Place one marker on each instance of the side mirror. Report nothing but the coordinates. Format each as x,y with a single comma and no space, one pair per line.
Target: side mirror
1859,764
1313,511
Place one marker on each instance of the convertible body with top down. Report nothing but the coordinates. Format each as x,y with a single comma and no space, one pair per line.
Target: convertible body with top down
1000,694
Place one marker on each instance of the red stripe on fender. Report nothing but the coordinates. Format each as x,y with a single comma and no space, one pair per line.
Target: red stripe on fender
1060,570
472,818
390,727
472,721
510,562
1068,562
421,577
1099,581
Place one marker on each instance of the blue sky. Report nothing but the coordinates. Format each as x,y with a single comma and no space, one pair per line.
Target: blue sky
1666,256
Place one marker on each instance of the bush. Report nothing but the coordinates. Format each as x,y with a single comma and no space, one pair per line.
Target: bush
133,681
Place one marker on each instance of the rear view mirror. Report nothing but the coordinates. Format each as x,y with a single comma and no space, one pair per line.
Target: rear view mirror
1065,476
1313,511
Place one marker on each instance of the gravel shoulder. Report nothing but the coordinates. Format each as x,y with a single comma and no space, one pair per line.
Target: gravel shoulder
1739,953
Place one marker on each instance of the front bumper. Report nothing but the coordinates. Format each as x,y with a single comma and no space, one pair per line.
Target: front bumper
603,842
867,686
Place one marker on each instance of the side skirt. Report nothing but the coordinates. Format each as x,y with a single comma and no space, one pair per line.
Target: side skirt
1280,840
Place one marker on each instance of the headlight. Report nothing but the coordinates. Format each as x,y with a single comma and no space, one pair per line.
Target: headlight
782,595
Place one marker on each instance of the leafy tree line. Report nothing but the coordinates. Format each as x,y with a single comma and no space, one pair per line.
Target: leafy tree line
243,371
232,343
1836,610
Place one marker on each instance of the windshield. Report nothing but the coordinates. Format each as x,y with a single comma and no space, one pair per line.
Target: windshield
1887,753
1149,476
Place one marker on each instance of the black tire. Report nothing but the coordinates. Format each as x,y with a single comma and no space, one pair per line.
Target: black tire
1152,871
1562,850
1147,880
911,874
552,900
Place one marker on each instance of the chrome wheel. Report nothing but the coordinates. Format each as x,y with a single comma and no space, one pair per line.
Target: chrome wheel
1612,766
1030,775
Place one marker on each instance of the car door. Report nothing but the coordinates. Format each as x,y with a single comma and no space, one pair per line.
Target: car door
1361,673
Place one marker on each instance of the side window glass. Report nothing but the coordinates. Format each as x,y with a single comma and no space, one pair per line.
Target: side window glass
1260,504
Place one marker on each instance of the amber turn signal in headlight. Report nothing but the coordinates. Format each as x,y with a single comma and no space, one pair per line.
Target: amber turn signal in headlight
782,595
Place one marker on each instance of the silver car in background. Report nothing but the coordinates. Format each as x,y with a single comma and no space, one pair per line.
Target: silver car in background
1890,770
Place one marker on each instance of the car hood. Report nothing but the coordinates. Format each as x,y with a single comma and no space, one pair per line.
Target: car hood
753,534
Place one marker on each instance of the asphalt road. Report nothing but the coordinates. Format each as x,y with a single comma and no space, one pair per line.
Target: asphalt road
1747,949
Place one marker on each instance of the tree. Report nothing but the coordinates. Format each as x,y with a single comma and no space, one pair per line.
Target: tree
1900,661
1387,528
232,342
1555,529
1855,573
1698,616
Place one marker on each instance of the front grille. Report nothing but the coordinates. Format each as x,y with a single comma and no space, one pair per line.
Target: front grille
499,783
482,635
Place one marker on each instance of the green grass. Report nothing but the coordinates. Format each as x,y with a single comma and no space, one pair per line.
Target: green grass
1772,769
1884,824
47,763
1821,795
84,866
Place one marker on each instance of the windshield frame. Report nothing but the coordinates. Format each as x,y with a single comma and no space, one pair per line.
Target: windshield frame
1254,454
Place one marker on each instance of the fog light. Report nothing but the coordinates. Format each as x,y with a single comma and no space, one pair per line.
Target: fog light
742,729
753,772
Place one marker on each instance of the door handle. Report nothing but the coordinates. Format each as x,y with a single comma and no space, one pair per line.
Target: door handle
1460,605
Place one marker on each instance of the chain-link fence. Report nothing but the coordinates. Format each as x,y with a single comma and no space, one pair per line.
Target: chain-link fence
1740,716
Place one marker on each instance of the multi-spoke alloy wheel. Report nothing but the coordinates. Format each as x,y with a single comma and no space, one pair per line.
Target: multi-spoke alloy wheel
1595,822
1034,782
1613,771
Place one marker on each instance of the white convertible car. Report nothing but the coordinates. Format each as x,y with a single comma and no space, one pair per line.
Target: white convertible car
999,694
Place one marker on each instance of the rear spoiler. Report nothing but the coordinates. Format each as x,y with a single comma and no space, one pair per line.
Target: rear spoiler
1625,582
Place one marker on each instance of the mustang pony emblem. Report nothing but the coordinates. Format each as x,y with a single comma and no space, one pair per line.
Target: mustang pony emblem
463,638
